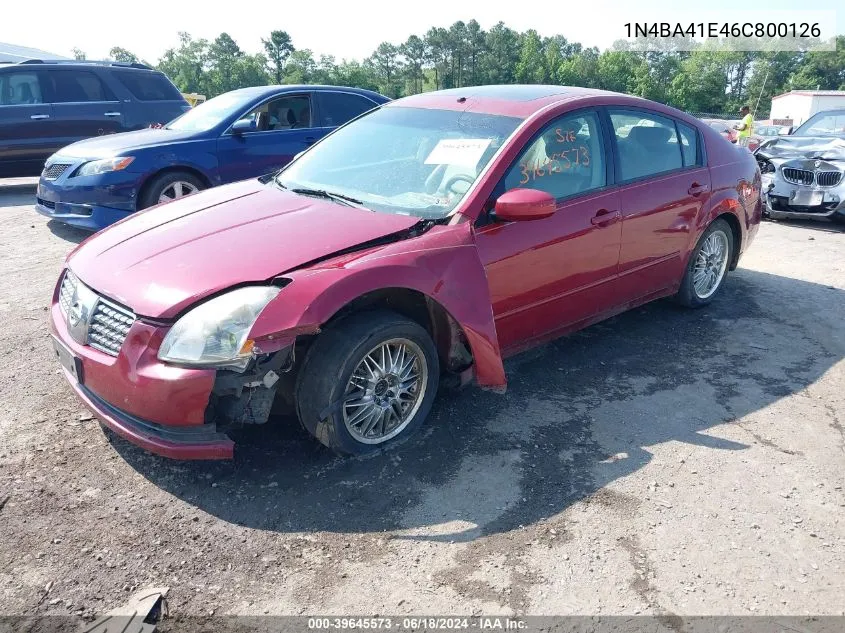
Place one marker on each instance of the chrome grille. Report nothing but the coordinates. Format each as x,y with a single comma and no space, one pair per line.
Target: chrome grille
66,291
828,178
109,326
51,172
798,176
109,323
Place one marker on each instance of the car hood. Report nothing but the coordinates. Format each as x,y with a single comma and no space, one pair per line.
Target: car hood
125,142
160,261
805,147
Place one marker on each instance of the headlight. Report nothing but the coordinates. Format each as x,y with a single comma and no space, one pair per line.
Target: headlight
105,165
766,166
214,333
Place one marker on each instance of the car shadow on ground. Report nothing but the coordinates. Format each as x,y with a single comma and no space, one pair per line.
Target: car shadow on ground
824,226
579,413
68,233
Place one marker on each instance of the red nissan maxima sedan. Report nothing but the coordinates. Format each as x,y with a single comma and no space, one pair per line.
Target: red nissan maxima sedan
427,239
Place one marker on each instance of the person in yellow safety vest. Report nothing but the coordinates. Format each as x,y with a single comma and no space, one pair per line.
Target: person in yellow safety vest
745,127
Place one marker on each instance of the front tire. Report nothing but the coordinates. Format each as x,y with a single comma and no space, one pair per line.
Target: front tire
169,186
708,266
367,382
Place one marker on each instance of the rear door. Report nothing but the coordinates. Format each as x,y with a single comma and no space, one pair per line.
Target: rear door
151,97
334,108
660,165
25,141
281,127
83,105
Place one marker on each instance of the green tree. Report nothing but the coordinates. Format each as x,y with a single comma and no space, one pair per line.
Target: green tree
414,52
278,48
437,49
386,65
581,69
530,67
119,54
475,49
821,70
300,67
501,54
187,65
463,55
616,70
701,83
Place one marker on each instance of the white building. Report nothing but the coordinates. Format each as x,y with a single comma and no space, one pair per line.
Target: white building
796,106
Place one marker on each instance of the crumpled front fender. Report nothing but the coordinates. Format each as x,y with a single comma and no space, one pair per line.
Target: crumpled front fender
442,264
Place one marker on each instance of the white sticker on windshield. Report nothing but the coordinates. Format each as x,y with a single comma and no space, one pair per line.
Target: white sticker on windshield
458,151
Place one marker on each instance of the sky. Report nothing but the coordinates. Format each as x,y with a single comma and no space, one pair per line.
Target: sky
350,29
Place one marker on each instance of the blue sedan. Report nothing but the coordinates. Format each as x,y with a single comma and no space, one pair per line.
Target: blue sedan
240,134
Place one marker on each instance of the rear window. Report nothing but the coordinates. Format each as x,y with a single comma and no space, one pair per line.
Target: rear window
339,107
148,86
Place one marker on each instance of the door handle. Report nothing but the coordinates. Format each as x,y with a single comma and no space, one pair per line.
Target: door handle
310,140
111,114
38,117
696,190
603,217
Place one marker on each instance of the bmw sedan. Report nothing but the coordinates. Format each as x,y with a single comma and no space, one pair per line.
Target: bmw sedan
240,134
419,244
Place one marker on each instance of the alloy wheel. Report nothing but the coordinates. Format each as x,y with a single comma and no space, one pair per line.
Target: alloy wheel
385,391
710,265
175,190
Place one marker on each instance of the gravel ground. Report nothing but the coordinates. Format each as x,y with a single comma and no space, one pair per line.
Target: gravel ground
665,461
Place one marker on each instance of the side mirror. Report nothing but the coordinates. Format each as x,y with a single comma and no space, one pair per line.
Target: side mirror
525,204
243,125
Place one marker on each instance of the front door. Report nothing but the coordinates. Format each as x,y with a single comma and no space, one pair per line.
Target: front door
280,129
545,275
664,185
25,141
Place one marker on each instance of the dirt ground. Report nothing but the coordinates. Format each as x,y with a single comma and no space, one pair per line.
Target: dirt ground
665,461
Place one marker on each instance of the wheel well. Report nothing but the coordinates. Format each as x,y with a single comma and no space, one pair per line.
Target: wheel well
732,221
449,338
173,168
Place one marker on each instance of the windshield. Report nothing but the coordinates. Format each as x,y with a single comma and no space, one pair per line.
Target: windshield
823,124
207,115
411,161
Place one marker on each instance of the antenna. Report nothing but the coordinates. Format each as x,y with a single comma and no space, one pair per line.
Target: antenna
756,105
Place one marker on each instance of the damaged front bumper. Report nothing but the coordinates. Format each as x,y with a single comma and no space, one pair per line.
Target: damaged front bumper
803,178
175,412
792,201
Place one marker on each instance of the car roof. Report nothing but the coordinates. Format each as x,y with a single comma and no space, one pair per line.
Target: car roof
508,100
834,111
40,64
266,91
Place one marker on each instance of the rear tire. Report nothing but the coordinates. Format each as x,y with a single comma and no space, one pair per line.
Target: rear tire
367,382
171,185
708,266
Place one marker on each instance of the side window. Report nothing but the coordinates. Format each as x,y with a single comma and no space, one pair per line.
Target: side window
285,113
19,89
648,144
76,86
565,160
689,145
339,107
148,86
